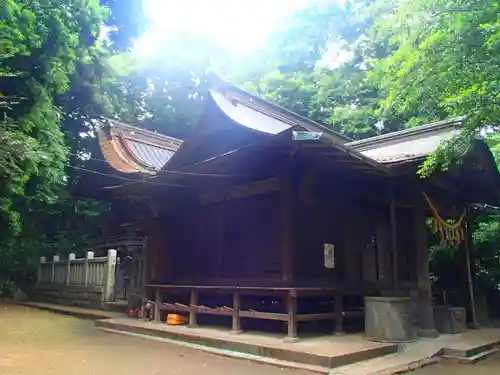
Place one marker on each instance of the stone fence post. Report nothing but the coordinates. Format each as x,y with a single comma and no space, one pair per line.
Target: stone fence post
43,260
89,255
109,274
55,259
72,256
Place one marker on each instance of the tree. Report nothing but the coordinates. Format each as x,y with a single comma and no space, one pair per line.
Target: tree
165,91
443,64
319,66
52,71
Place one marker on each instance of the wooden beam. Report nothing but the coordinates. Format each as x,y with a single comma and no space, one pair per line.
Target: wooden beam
241,191
264,315
315,317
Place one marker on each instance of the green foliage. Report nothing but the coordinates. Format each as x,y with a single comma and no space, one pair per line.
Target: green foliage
52,77
361,68
444,63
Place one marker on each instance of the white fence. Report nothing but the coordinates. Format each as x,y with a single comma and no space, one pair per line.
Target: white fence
82,272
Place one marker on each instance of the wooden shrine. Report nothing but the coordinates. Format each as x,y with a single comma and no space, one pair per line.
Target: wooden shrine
262,214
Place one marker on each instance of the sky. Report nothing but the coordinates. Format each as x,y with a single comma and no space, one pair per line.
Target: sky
239,25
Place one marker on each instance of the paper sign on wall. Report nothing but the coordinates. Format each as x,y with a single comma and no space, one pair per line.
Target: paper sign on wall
329,255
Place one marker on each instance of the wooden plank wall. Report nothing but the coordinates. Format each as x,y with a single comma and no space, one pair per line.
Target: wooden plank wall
235,239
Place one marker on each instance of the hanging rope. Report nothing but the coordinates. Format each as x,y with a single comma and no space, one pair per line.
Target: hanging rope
449,232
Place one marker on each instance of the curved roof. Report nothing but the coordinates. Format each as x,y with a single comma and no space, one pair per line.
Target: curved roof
129,149
261,115
409,144
249,117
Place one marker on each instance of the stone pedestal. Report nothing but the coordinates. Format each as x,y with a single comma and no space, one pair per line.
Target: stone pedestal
388,319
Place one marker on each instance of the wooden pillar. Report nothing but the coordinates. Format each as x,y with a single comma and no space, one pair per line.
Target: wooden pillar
193,303
468,246
383,250
339,313
394,238
236,328
144,278
157,306
426,314
287,221
219,251
292,317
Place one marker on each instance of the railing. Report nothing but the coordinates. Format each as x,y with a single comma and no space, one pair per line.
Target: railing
80,272
289,295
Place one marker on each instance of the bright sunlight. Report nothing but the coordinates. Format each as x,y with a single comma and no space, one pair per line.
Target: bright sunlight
240,26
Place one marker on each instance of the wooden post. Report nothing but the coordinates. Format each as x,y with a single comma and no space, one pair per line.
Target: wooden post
236,328
89,255
426,314
43,260
467,245
292,317
55,259
394,238
143,278
157,306
287,223
72,256
383,250
110,276
339,314
193,302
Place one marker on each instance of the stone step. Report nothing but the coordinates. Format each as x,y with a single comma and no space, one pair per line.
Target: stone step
227,353
471,351
472,359
252,344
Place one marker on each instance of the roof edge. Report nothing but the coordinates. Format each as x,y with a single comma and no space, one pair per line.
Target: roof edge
149,133
253,101
407,134
116,159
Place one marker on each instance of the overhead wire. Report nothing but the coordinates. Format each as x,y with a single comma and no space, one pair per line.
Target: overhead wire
170,172
123,177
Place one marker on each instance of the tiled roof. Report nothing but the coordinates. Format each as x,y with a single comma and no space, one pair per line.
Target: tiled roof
129,149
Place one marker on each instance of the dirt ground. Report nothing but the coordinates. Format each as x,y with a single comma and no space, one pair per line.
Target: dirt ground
34,342
488,366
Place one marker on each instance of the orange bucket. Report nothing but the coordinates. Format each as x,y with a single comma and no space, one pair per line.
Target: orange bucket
175,319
